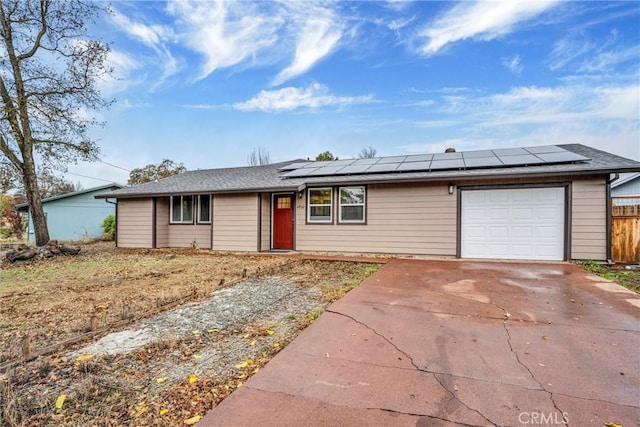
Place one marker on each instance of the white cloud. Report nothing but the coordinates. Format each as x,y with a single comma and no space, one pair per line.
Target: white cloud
155,37
318,32
225,33
292,98
513,64
483,20
607,61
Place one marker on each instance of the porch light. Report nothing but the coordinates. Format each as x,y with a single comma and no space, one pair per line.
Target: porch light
450,188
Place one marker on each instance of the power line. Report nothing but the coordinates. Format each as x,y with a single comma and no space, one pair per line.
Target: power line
115,166
90,177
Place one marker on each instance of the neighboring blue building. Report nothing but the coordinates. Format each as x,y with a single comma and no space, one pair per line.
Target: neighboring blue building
75,216
627,185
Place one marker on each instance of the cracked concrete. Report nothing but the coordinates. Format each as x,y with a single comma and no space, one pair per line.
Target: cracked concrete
456,343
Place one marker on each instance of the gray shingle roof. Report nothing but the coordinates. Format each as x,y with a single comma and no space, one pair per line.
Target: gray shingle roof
268,178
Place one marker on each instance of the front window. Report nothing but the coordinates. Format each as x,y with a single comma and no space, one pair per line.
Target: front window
320,205
352,205
182,209
204,209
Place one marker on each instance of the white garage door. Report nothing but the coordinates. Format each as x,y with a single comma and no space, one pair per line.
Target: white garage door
523,223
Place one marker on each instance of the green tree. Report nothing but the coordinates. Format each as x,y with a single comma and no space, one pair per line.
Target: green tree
152,172
326,156
49,67
109,226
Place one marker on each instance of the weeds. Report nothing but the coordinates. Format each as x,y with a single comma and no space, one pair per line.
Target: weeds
630,279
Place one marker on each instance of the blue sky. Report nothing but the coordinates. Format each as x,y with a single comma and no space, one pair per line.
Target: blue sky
204,82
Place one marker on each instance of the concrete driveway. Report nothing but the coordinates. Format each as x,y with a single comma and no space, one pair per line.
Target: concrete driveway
457,342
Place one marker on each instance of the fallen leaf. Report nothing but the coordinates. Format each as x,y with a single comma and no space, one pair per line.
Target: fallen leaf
192,378
270,332
140,411
164,411
544,337
245,336
610,424
161,380
212,330
102,306
197,356
241,365
239,385
255,371
252,343
276,344
507,315
326,355
84,357
196,332
455,387
60,401
192,420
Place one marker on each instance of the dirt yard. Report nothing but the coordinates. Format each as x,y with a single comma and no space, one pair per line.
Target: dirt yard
152,337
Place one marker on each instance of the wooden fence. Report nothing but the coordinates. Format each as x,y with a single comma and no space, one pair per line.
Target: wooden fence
625,229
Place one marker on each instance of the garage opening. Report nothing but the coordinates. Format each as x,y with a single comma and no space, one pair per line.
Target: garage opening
513,223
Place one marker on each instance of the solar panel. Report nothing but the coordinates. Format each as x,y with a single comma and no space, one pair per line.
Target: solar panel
327,170
447,156
479,153
504,157
560,157
545,149
526,159
509,152
447,164
366,161
414,166
353,169
419,158
297,165
383,167
482,162
393,159
299,172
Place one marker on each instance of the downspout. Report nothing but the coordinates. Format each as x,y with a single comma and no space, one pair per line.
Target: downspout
616,176
116,215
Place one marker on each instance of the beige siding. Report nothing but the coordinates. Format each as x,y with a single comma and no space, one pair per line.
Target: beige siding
190,235
135,223
265,230
162,222
589,219
402,219
235,222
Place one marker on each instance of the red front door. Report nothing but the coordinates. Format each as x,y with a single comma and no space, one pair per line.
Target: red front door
283,222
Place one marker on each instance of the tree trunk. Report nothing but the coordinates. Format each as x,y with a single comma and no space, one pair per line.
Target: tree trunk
35,204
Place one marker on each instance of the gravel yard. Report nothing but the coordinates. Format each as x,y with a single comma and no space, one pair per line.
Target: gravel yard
174,366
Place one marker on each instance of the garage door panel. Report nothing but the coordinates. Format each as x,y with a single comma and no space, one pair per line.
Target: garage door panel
522,223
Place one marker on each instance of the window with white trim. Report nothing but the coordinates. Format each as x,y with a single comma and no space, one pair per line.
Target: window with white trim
204,209
320,205
351,205
182,209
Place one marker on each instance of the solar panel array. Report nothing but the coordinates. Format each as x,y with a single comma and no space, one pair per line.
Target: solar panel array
503,157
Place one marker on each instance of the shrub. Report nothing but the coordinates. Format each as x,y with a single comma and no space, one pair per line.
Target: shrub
109,226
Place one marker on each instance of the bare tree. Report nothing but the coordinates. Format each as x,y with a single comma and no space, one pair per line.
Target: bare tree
258,157
48,73
367,153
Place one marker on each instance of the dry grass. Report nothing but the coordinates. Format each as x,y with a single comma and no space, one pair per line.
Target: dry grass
54,299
